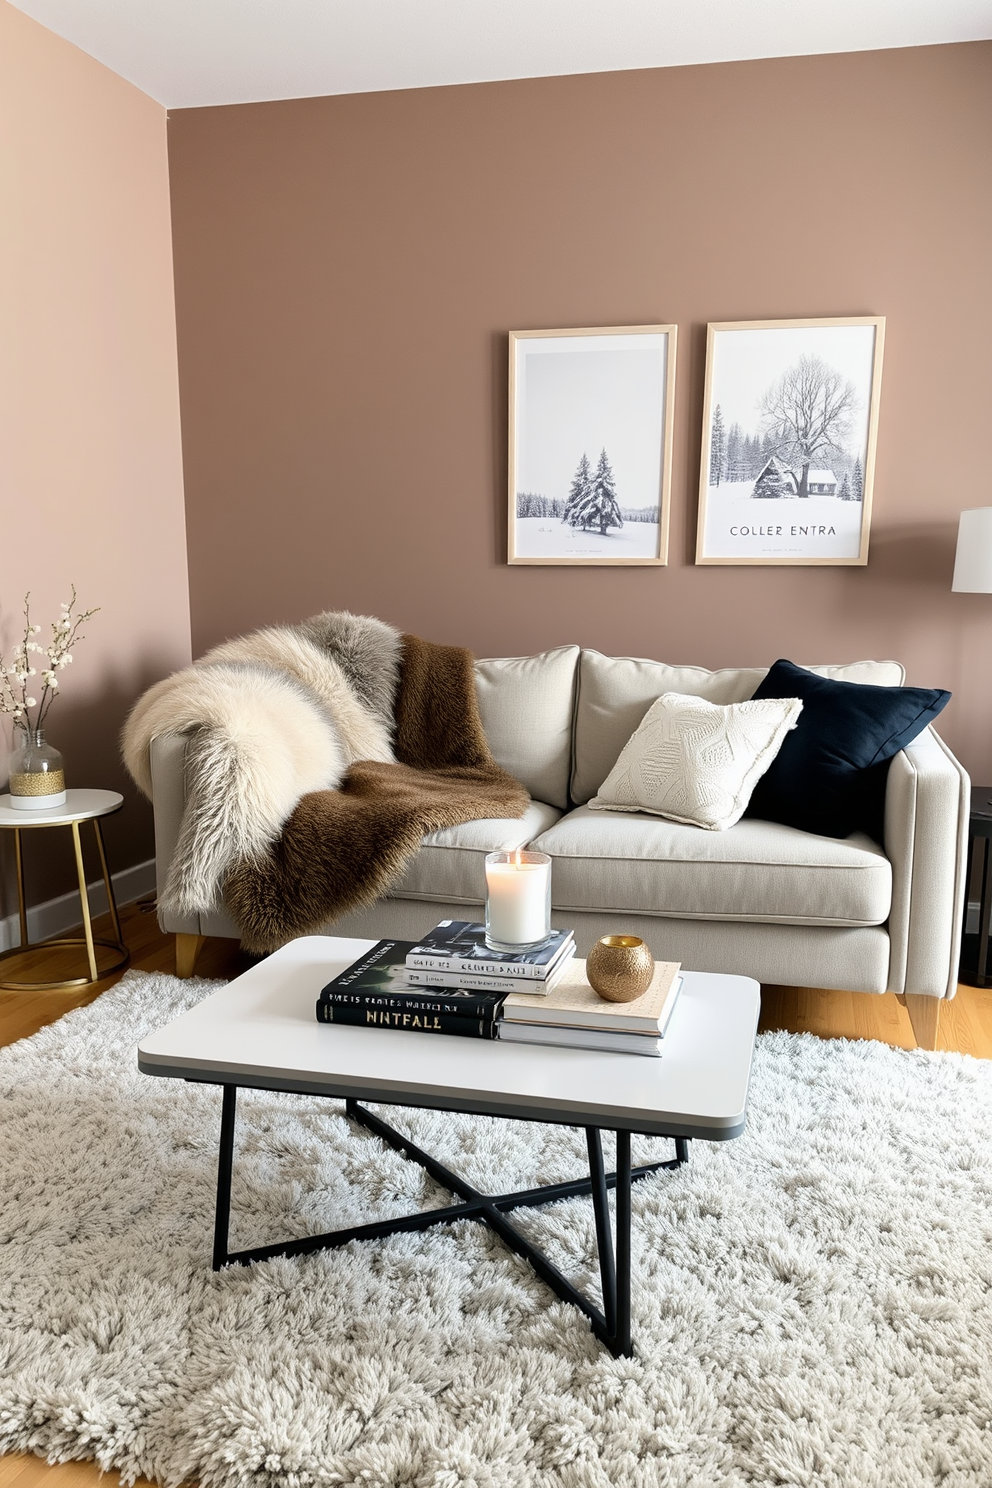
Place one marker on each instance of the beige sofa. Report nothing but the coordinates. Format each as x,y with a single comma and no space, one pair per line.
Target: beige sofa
764,900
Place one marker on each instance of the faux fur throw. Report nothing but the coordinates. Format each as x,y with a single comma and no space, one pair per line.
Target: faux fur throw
280,719
272,715
341,849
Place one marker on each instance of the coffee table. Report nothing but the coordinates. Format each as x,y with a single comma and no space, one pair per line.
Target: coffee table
260,1032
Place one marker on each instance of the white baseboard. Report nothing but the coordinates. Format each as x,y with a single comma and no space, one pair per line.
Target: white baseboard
53,916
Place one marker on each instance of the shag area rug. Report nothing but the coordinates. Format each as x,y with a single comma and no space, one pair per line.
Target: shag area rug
812,1302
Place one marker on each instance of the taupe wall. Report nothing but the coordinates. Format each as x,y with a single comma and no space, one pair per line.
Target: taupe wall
347,270
90,459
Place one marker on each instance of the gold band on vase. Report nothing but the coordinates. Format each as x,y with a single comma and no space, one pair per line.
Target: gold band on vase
38,783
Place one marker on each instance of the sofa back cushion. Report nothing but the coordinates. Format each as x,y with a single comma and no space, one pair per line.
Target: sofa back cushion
527,704
615,692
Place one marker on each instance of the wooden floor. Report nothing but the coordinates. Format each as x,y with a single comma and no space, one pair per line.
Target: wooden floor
965,1025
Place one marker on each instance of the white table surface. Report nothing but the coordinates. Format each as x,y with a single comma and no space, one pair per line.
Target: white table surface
261,1031
80,805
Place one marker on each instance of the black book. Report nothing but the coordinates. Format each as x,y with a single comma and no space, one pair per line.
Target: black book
408,1020
373,992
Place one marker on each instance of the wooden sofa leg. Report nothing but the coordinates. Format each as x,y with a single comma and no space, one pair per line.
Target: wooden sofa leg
187,950
924,1014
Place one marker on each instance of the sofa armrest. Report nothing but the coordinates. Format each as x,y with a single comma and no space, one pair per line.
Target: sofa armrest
167,762
927,804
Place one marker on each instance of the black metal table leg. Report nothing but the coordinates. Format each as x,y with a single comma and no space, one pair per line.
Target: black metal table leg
621,1346
225,1160
604,1234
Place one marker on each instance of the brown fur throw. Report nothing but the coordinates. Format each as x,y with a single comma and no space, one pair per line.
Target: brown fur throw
341,849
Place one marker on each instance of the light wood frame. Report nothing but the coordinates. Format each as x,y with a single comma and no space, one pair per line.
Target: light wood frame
713,331
664,494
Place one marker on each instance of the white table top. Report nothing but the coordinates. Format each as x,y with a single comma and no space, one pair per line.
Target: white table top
80,805
261,1031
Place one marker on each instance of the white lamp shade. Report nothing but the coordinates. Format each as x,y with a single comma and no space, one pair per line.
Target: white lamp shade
973,561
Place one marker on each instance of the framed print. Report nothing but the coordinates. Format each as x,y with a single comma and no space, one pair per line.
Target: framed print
790,417
591,445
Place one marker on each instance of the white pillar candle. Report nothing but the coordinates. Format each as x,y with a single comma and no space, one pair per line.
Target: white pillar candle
518,898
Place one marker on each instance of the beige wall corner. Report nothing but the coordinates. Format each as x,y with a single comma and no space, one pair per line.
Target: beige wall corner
91,486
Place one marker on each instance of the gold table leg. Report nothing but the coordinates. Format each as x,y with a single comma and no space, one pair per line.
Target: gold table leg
111,901
21,911
84,900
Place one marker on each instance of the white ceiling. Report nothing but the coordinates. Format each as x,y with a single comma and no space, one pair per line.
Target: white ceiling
193,52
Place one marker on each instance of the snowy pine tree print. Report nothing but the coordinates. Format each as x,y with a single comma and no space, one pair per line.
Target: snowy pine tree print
590,436
578,492
597,505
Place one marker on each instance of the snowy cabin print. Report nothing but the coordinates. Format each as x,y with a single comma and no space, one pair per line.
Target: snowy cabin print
774,480
790,420
590,445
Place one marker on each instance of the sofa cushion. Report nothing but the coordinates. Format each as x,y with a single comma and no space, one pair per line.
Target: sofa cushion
697,762
615,692
527,704
822,780
755,871
451,863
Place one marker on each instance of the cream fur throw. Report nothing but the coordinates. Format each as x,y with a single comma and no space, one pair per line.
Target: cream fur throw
272,716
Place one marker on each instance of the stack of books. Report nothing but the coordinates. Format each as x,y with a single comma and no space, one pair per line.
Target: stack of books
451,983
573,1016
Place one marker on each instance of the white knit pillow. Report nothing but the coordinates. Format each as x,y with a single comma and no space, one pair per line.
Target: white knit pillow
697,762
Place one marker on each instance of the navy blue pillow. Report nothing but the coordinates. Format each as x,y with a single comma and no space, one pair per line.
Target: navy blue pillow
829,776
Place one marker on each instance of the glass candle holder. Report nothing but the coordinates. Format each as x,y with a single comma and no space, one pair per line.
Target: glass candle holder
518,900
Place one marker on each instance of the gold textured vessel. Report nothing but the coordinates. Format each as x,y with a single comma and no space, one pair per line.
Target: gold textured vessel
620,967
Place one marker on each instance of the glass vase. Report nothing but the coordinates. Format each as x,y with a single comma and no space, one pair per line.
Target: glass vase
37,775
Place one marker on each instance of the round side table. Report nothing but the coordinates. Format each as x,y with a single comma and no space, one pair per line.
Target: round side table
80,806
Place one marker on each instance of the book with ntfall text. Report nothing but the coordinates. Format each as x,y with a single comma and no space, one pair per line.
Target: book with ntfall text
408,1020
